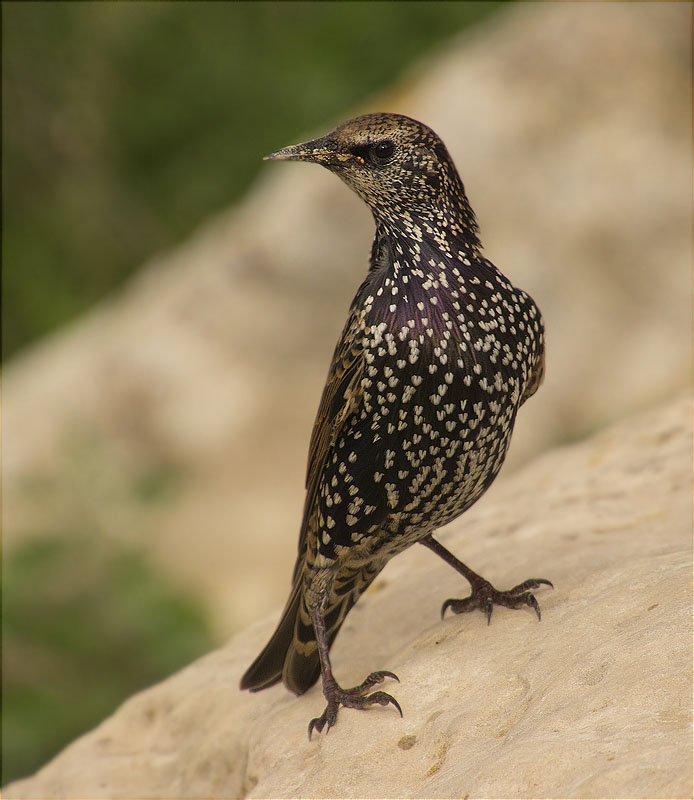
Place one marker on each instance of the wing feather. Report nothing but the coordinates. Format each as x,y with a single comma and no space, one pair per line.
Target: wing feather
341,397
536,377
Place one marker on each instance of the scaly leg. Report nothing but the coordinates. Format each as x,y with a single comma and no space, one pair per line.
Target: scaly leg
336,696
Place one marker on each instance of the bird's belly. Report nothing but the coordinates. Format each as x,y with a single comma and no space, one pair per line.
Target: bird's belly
428,439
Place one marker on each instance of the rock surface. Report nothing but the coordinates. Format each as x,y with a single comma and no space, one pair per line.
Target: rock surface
594,701
570,125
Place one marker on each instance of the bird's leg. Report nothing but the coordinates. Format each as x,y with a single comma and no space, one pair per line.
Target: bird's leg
482,594
336,696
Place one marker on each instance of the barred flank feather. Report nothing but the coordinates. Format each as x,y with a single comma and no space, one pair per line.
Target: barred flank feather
291,654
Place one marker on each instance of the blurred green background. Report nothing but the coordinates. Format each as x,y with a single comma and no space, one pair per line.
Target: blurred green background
125,125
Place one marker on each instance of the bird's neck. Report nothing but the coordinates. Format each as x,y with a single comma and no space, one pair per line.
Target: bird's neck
413,241
420,272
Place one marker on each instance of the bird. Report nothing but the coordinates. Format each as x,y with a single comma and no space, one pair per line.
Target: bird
438,353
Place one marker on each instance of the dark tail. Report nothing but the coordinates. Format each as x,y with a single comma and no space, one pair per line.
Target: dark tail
291,654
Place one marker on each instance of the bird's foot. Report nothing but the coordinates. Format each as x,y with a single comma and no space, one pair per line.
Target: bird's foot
355,697
484,596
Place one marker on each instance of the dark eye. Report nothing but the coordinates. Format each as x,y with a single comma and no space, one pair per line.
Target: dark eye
382,151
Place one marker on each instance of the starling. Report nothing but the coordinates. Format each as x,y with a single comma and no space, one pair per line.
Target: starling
439,352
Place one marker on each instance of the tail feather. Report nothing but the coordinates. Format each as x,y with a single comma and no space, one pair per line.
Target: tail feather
291,655
267,668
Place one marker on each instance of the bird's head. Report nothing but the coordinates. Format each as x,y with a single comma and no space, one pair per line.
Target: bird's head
398,166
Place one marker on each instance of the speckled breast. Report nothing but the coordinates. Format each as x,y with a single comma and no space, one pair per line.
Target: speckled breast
445,367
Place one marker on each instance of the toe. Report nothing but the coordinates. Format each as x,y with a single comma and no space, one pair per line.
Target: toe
317,724
372,680
532,601
384,699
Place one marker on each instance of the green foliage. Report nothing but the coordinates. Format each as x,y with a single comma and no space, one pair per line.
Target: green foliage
85,624
126,124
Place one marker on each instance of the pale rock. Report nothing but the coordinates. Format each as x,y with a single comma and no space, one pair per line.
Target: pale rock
593,701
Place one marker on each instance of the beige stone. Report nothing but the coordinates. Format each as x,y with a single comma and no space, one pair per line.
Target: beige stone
593,701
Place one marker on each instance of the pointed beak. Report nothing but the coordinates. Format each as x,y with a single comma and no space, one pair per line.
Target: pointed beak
321,151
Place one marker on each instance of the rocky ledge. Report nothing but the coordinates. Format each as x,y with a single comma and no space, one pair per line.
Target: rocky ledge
593,701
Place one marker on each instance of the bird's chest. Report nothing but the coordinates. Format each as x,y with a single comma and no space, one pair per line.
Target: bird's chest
441,345
443,371
441,387
429,393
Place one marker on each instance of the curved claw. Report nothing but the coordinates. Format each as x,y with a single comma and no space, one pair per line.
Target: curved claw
447,604
531,601
317,723
373,679
383,699
531,583
459,606
329,716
